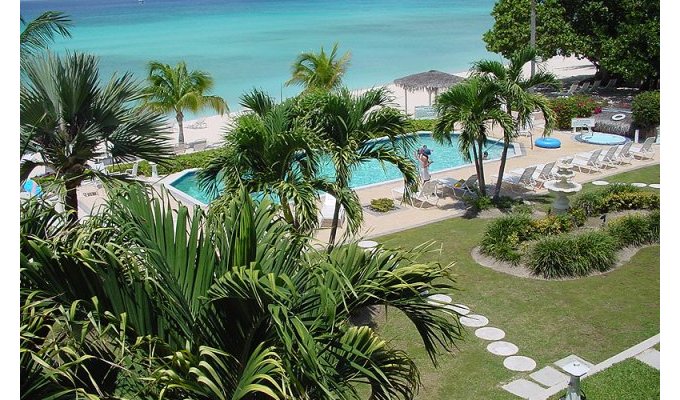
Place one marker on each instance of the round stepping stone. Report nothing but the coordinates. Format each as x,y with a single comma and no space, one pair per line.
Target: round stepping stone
474,320
502,348
461,309
490,333
655,185
519,363
600,183
438,299
639,184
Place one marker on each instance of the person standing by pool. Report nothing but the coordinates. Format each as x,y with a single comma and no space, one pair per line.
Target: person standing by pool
424,167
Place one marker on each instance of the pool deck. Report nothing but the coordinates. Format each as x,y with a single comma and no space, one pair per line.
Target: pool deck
407,216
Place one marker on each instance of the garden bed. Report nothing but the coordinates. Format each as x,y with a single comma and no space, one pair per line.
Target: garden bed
622,257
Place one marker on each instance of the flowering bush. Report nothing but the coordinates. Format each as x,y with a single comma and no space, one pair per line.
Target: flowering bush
576,106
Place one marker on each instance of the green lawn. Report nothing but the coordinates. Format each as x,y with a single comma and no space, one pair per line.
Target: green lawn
628,380
595,317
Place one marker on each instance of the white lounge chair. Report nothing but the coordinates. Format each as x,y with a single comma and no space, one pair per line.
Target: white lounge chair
427,194
328,210
609,158
571,90
524,181
466,187
611,84
646,151
591,164
623,155
545,174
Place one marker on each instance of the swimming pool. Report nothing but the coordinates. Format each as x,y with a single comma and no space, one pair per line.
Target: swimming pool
601,138
444,158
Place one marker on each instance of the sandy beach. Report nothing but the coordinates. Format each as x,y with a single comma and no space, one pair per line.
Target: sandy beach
214,128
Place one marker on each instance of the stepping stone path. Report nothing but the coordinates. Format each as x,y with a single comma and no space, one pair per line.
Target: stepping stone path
600,183
474,320
489,333
523,388
439,299
519,363
549,376
639,184
461,309
650,357
655,185
502,348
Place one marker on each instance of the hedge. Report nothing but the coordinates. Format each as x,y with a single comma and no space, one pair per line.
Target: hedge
576,106
572,255
176,164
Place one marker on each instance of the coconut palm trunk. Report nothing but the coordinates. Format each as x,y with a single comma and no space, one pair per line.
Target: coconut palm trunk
180,127
504,158
334,226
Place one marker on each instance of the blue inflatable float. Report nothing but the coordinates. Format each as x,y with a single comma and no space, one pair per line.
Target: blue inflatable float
548,143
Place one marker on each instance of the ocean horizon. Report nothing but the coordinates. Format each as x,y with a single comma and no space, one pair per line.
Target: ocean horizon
247,44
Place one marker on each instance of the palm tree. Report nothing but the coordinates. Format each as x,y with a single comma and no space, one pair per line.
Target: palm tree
40,32
67,115
319,71
349,126
472,103
515,91
227,304
176,90
270,151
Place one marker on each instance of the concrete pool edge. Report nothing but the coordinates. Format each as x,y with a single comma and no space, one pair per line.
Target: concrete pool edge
183,196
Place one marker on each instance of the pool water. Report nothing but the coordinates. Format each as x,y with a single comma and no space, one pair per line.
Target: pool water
601,138
444,157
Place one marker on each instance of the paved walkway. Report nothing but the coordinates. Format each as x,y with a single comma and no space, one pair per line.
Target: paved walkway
551,379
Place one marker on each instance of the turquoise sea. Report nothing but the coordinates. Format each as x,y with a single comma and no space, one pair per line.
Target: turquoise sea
252,43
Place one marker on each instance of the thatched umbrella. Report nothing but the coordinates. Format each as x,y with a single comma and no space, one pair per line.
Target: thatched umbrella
431,81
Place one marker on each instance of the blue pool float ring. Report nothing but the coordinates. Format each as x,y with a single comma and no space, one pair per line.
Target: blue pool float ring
548,143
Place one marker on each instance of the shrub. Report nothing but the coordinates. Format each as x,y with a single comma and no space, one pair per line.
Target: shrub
615,198
421,125
382,205
503,236
578,216
635,229
176,164
522,208
478,203
646,110
572,255
633,201
506,202
577,106
551,225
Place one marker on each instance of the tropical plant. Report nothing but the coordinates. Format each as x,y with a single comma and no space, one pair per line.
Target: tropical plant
515,91
319,70
647,110
572,255
635,229
67,116
349,127
621,38
177,89
471,103
227,304
575,106
36,35
382,205
271,152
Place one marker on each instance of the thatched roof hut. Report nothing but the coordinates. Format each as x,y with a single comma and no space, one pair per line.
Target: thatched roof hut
432,81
